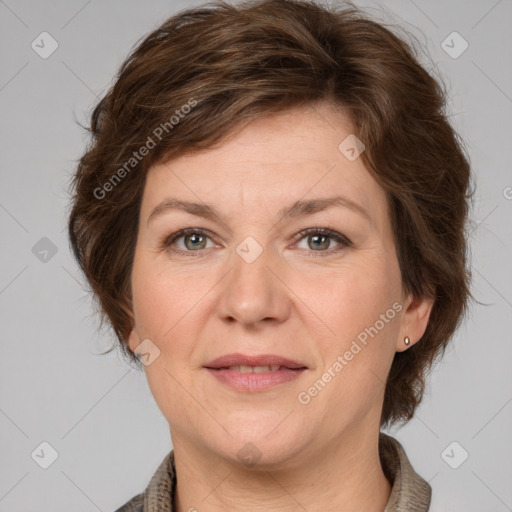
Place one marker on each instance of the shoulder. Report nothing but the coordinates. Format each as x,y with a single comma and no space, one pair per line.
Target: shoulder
409,490
159,492
135,504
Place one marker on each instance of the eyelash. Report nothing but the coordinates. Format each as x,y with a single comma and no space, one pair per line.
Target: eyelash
344,242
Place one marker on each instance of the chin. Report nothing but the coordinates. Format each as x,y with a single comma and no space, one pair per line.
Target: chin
260,445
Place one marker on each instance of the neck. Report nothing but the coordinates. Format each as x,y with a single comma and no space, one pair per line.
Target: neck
348,477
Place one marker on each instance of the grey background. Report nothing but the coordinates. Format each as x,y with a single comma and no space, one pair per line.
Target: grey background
97,413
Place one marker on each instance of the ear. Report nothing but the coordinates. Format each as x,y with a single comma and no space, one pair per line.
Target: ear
414,321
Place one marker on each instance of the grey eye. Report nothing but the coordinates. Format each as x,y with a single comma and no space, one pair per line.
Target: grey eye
194,241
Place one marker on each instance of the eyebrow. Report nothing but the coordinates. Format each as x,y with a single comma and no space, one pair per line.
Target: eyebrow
298,209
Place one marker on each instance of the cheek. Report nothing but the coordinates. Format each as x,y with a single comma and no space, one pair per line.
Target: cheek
359,306
362,311
160,299
351,299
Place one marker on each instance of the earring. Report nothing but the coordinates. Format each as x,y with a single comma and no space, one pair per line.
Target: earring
407,341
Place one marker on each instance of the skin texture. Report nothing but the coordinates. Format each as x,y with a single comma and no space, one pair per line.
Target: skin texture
294,300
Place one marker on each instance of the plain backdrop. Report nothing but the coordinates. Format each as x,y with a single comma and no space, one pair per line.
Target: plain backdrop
94,413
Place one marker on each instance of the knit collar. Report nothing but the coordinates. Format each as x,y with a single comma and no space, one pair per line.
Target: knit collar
409,493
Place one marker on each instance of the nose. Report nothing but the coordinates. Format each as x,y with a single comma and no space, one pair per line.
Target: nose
254,290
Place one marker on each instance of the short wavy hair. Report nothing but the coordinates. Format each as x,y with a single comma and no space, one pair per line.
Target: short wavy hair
210,70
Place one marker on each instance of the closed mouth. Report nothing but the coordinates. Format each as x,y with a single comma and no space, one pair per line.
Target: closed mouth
256,369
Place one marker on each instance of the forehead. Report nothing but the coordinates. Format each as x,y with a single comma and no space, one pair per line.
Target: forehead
272,162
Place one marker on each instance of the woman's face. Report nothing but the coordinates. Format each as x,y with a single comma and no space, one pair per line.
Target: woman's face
247,280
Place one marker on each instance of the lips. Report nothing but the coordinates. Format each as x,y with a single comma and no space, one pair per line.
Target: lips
254,364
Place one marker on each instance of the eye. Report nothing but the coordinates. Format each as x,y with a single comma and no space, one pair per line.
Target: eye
195,241
318,239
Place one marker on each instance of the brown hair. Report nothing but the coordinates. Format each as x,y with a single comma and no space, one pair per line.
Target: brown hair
208,70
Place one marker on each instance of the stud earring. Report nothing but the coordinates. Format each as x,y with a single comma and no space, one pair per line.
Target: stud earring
407,341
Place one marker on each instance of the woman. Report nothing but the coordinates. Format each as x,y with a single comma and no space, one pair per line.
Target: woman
271,215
